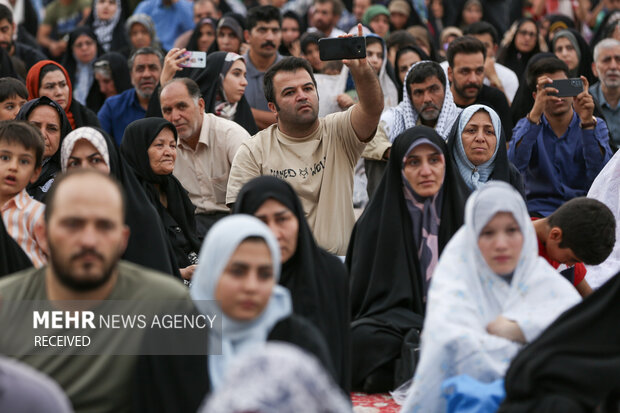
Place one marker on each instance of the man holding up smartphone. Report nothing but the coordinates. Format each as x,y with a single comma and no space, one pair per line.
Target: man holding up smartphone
560,146
315,156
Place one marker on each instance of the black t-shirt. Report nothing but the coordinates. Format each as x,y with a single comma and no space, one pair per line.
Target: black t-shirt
496,100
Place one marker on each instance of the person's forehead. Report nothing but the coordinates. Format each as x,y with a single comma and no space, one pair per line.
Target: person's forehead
484,37
429,81
53,76
137,26
203,7
87,196
174,93
287,79
468,59
272,24
323,6
44,113
556,75
610,51
562,40
4,22
146,59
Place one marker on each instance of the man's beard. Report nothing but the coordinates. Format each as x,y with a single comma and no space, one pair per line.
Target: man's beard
64,274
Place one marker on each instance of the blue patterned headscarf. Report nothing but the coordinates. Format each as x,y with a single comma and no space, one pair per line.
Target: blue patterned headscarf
475,176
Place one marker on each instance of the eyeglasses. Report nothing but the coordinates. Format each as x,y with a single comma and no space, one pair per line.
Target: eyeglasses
525,33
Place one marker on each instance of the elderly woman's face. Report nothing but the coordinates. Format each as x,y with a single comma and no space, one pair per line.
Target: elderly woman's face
48,121
163,153
245,286
139,36
85,155
84,49
566,52
425,167
479,138
500,243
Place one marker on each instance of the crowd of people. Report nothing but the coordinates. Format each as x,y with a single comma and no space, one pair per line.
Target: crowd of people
436,219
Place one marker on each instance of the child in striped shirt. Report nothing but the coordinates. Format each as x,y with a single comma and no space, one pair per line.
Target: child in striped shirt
21,154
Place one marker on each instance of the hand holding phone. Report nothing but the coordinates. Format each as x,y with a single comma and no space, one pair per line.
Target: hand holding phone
195,60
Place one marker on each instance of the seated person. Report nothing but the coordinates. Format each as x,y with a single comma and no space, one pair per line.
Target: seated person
583,230
491,294
48,116
573,366
93,148
478,152
48,78
317,280
240,267
13,95
21,154
15,259
149,147
376,53
283,371
559,147
604,189
394,248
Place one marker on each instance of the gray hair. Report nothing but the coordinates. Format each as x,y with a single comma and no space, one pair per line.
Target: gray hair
143,51
604,45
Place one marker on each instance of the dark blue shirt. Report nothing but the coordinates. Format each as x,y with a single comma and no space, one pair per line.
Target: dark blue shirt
118,111
557,169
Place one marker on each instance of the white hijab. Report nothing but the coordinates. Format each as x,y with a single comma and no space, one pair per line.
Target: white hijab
606,188
91,135
465,295
397,119
236,337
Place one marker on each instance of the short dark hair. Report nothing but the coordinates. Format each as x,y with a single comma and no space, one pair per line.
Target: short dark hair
547,65
287,64
372,40
337,6
11,87
423,71
465,45
145,50
6,13
25,134
400,38
61,177
262,14
192,87
588,229
309,38
482,28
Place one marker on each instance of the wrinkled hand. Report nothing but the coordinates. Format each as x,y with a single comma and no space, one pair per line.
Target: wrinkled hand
502,327
356,64
543,95
583,103
172,63
344,101
187,272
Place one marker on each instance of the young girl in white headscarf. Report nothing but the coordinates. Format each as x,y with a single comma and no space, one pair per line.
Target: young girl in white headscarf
490,294
239,266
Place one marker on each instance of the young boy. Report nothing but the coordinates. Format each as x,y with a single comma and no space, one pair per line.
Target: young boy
21,153
582,230
13,95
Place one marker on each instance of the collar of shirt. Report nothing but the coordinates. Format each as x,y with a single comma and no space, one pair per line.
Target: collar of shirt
598,90
18,200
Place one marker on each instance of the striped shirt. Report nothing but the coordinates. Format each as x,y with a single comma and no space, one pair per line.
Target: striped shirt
20,215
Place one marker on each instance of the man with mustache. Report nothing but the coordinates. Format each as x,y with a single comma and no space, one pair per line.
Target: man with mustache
263,35
315,156
606,92
120,110
86,235
466,57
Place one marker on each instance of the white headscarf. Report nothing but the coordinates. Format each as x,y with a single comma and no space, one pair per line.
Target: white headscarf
390,93
475,176
237,337
606,188
466,295
279,378
397,119
91,135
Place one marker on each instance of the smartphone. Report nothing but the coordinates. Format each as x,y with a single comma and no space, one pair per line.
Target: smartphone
196,59
338,48
567,87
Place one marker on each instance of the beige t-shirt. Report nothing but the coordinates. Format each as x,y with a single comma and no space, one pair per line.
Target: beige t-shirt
204,172
319,167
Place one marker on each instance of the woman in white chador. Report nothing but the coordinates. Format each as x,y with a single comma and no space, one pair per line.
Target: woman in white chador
490,294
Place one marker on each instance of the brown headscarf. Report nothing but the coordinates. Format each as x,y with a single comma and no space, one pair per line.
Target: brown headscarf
33,84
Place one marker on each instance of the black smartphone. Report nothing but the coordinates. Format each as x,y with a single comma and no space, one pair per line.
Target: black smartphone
567,87
338,48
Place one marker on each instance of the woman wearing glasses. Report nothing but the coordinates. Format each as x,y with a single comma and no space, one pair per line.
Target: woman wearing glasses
521,42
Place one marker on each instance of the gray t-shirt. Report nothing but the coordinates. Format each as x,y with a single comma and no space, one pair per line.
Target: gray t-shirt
254,91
